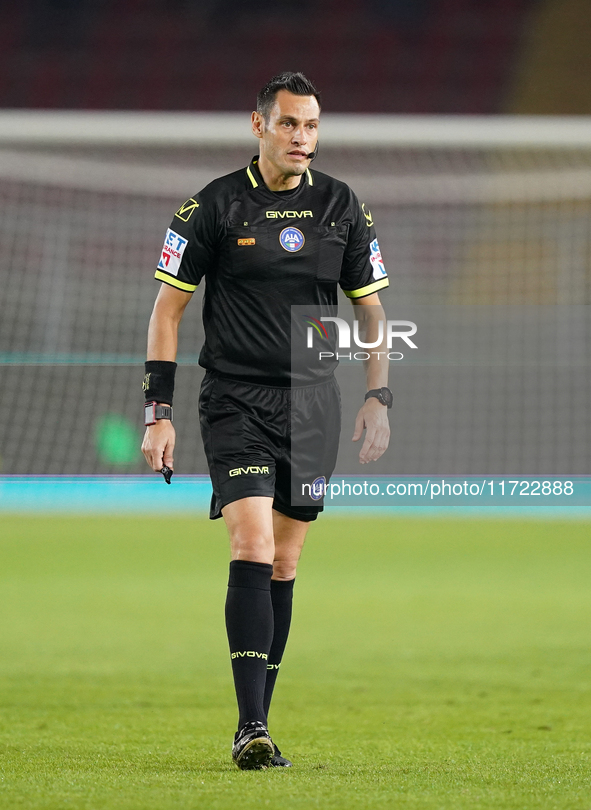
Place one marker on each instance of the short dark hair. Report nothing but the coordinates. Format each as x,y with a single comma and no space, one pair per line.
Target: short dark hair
295,83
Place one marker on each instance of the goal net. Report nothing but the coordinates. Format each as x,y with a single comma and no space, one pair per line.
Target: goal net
481,221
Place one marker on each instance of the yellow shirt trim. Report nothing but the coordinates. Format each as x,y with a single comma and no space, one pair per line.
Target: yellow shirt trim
371,288
310,180
251,177
174,282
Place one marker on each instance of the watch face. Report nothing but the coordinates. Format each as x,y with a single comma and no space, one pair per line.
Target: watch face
150,413
386,397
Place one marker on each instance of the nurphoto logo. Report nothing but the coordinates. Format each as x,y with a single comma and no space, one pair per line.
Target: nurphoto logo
388,331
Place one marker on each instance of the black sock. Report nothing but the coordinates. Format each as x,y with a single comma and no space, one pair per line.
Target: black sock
249,622
281,597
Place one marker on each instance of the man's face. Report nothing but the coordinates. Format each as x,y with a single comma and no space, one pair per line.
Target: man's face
291,132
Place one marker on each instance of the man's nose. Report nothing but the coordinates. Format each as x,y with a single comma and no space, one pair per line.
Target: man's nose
299,135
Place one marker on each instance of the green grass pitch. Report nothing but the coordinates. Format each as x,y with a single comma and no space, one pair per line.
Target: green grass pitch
434,663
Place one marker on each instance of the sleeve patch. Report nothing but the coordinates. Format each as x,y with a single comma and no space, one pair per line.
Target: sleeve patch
375,257
367,215
187,209
172,252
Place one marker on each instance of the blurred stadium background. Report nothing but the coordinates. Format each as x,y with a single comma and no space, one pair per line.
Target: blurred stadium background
441,114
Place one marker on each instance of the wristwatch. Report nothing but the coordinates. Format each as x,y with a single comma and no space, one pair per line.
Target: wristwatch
383,395
153,412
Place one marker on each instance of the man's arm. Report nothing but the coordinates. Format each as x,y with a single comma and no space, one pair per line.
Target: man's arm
373,416
159,439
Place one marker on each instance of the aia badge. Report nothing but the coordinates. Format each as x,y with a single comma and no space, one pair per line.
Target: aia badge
318,488
291,239
375,257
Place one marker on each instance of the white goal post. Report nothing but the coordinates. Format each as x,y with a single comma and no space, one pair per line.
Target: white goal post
25,137
69,128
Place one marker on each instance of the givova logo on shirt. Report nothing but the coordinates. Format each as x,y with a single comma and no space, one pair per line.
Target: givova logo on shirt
172,252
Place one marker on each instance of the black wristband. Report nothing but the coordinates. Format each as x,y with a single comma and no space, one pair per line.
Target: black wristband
158,382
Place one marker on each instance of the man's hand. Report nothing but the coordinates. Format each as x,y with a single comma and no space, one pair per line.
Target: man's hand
158,444
373,416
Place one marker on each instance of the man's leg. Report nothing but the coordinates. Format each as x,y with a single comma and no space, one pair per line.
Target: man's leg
289,536
263,543
249,610
265,549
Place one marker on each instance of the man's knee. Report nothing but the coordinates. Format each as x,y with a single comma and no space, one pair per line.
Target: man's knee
284,569
253,546
250,527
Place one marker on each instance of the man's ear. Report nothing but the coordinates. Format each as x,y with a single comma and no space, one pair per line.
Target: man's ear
258,123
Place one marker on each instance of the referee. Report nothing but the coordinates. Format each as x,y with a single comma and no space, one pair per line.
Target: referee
265,238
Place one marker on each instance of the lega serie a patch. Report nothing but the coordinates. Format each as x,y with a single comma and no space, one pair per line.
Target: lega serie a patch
172,252
375,257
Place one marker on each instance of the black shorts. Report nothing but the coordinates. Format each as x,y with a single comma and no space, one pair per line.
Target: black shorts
276,442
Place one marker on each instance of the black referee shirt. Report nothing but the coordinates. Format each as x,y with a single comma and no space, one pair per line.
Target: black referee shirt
261,252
